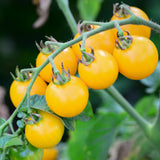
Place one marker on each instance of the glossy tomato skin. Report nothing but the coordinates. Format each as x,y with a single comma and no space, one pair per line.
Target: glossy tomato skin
101,73
133,29
103,40
50,154
69,99
139,60
46,133
68,58
25,152
18,89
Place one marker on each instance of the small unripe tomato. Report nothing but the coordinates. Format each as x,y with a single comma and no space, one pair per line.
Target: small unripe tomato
101,73
103,41
25,152
18,89
47,132
139,60
139,30
68,58
50,154
69,99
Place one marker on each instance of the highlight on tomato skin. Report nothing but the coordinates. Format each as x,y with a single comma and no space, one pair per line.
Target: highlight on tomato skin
139,30
101,73
139,60
69,99
41,133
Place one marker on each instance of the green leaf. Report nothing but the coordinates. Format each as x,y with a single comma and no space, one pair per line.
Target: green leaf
89,9
153,81
4,140
69,123
21,115
101,136
38,102
20,123
78,137
147,106
13,142
93,138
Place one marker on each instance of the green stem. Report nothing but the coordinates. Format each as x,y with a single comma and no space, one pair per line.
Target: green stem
83,47
27,70
93,23
120,32
53,65
64,6
11,127
10,120
144,125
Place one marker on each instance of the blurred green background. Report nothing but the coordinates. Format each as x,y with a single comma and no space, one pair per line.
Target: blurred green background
17,36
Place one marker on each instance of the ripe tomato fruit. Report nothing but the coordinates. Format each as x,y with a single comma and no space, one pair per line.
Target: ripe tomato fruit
18,89
69,99
68,58
103,40
139,60
50,154
133,29
101,73
47,132
25,152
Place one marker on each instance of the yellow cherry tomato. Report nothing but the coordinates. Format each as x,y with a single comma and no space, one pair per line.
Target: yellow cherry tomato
103,40
18,89
68,58
133,29
69,99
139,60
50,154
101,73
46,133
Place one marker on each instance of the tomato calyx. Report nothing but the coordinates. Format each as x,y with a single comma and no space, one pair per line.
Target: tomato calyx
87,58
49,48
28,118
120,11
60,79
21,76
124,42
84,28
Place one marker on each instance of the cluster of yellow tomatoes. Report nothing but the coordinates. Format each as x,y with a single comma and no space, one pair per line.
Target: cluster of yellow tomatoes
136,62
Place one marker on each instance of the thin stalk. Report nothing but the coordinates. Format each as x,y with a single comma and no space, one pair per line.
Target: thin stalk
11,127
27,70
64,6
113,92
4,125
83,48
120,32
54,69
